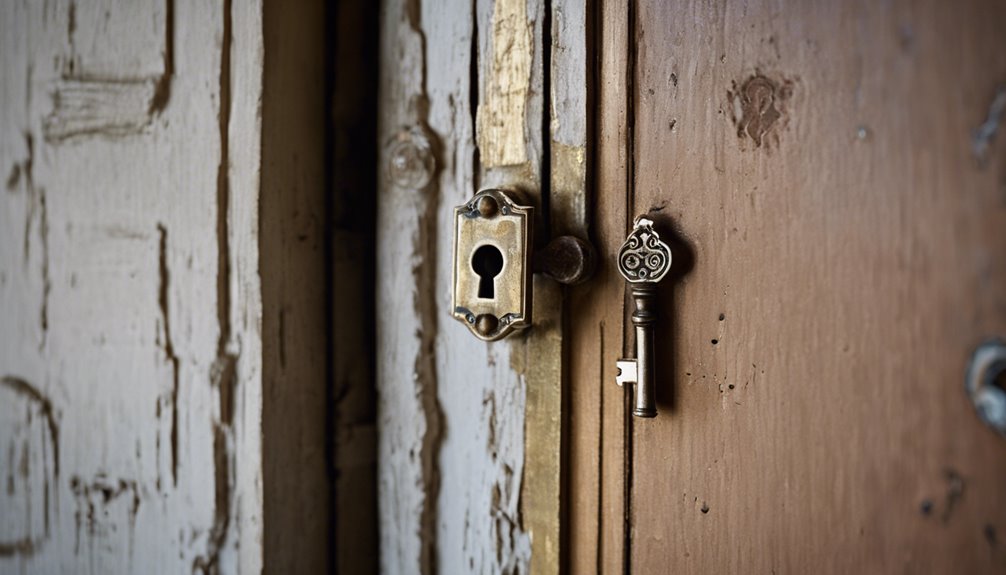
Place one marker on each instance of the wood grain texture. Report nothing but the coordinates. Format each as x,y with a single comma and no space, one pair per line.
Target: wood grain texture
571,66
115,68
598,409
125,284
458,418
143,292
353,94
506,84
848,256
293,267
407,411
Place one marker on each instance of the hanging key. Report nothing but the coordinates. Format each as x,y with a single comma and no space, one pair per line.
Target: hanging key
643,260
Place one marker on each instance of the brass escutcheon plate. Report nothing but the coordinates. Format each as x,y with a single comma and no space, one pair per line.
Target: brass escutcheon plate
492,264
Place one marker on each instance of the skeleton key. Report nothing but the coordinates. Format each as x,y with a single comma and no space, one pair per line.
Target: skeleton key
643,260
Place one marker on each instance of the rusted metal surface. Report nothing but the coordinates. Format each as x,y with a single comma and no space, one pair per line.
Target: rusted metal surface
566,259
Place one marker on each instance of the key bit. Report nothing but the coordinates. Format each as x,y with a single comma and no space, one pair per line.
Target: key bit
626,371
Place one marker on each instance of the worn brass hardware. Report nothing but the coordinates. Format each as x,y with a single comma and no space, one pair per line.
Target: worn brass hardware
984,382
493,263
643,260
493,236
566,259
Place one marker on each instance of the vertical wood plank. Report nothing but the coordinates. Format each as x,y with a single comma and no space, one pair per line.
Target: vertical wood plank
457,415
512,64
570,66
570,79
407,406
292,221
517,500
247,156
848,256
353,182
597,423
129,287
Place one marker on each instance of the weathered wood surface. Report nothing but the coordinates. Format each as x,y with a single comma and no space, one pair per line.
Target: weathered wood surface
408,414
599,420
848,254
513,106
571,68
130,317
469,439
133,349
355,61
292,268
114,66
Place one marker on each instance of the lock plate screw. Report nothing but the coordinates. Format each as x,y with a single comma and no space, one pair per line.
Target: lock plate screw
410,159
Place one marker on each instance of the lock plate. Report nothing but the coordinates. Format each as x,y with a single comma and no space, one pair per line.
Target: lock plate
492,264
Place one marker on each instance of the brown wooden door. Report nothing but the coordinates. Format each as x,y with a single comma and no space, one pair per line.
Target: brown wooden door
839,234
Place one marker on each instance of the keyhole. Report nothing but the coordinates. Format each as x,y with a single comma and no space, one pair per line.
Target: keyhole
487,261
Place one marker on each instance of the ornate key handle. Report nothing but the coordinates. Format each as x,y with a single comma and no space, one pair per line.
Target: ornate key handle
643,260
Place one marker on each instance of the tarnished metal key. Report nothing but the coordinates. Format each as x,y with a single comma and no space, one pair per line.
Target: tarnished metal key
643,260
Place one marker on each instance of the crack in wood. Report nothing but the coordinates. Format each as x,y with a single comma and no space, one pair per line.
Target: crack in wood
89,103
71,22
22,547
426,378
162,88
164,284
46,279
426,310
29,545
473,95
22,387
25,173
599,525
13,178
96,500
223,375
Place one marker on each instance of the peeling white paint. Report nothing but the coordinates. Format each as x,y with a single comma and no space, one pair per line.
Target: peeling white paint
108,254
433,375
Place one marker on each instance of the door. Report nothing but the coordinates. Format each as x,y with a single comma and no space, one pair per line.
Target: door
829,182
473,95
164,379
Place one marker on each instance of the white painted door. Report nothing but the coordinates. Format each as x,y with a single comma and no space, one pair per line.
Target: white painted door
128,362
470,432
